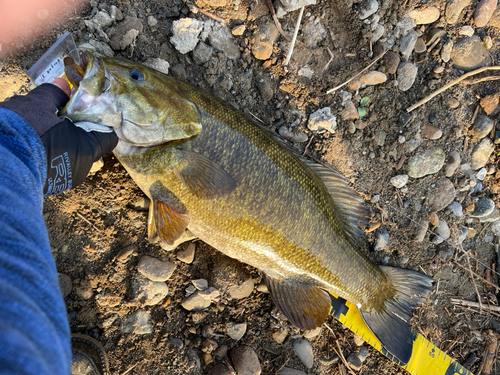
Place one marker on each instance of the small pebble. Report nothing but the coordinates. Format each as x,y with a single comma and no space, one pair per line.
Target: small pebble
493,216
463,234
154,269
312,333
363,353
279,335
431,132
481,174
391,62
424,15
407,72
177,343
440,194
147,292
358,340
466,31
483,207
152,22
329,362
187,255
304,351
482,126
457,209
245,360
495,228
445,254
185,34
452,163
381,239
433,219
481,153
484,11
137,323
488,42
200,284
454,10
354,361
447,50
322,120
236,330
379,137
399,181
443,232
367,8
421,231
489,103
438,70
451,102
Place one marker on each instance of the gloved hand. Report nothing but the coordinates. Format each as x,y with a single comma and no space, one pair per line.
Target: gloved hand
70,150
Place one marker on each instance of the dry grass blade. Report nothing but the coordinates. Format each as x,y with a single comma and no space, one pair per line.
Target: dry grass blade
450,84
358,74
88,222
294,38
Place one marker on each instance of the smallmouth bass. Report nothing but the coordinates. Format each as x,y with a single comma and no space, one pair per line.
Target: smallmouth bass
208,168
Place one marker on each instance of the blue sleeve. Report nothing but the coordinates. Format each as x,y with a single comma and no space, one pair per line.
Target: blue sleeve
34,330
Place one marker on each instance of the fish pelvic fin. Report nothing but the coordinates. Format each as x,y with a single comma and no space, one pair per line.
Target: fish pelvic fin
165,223
305,306
203,177
391,324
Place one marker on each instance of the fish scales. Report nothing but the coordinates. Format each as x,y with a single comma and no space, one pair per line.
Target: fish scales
210,169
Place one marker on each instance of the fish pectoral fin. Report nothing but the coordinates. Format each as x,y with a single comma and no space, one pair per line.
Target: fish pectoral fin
306,306
390,325
165,223
203,177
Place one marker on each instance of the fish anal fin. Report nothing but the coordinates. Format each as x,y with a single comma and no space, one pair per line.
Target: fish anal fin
169,223
203,177
390,324
306,306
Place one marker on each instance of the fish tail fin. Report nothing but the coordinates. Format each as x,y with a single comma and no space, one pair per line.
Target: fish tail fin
391,323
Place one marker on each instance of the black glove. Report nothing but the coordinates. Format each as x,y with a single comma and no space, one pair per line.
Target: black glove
70,150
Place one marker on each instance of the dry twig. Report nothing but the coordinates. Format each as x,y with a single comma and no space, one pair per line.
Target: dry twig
294,38
88,222
462,302
276,21
479,277
341,355
489,355
358,74
450,84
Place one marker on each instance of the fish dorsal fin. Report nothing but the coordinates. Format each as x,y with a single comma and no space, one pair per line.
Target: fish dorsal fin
306,306
203,177
169,224
347,202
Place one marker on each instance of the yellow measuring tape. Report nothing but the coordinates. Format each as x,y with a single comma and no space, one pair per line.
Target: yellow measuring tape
426,358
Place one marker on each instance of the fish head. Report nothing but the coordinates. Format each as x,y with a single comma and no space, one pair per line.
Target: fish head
143,106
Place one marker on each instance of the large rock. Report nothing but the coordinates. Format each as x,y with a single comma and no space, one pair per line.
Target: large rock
454,9
125,33
424,15
427,162
185,34
470,54
481,153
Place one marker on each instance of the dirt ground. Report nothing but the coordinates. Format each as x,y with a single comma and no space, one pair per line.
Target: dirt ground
92,226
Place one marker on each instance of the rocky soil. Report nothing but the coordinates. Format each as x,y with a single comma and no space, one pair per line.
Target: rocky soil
429,176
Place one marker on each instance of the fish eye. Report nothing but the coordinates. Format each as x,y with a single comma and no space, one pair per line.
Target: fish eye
137,75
